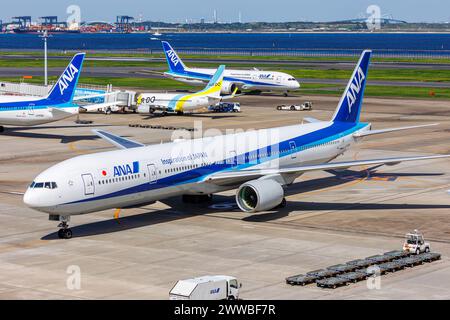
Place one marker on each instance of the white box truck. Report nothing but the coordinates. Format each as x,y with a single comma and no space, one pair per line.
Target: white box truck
206,288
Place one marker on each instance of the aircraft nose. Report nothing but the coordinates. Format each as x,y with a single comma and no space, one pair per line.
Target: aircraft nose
29,199
296,85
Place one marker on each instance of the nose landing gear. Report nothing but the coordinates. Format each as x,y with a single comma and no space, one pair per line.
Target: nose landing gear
65,232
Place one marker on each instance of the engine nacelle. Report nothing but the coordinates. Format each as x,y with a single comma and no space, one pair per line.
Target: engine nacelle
259,195
228,87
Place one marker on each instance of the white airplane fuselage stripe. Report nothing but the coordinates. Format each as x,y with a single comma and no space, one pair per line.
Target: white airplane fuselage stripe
141,175
34,116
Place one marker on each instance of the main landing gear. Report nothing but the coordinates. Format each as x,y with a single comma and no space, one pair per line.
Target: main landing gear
65,232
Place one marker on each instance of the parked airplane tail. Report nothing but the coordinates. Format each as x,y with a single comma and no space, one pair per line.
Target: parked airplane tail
173,60
64,89
349,107
214,86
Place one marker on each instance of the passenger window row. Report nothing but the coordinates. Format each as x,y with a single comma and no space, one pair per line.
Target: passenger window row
120,179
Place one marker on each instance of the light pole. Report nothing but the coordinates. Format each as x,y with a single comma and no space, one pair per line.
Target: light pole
45,36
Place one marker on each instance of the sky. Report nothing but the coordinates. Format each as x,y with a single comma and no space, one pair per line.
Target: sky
251,10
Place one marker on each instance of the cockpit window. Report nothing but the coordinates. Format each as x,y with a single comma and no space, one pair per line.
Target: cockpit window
46,185
292,79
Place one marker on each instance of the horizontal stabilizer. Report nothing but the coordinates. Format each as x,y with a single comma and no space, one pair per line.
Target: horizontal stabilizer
118,141
373,132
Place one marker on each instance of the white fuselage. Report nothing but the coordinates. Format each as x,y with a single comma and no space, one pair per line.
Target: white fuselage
173,102
26,111
125,178
243,79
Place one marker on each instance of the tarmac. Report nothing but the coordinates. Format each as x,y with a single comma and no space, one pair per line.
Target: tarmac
330,218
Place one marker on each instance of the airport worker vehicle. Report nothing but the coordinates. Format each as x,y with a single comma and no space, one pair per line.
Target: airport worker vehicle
415,243
206,288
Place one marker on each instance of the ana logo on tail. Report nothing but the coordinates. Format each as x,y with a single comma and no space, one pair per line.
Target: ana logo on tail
355,88
67,78
173,57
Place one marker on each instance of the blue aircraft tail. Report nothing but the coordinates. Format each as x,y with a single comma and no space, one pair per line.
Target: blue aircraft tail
349,107
64,89
173,60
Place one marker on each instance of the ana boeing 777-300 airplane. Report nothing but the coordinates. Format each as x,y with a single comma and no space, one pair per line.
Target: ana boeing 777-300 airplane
258,168
179,103
57,105
234,79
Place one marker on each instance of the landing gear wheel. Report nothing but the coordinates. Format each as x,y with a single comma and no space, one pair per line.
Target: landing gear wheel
108,111
65,233
285,94
2,129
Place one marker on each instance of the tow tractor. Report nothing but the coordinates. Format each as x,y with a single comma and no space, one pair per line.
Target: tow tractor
415,243
294,107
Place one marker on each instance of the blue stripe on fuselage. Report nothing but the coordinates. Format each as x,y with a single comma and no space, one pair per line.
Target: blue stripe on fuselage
304,142
204,76
35,105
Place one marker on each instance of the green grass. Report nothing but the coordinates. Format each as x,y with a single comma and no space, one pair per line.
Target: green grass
231,57
307,88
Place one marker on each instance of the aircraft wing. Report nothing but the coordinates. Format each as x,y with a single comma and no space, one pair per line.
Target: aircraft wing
372,132
236,174
118,141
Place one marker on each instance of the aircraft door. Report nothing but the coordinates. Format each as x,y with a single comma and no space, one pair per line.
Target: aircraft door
152,173
88,181
293,146
31,110
232,159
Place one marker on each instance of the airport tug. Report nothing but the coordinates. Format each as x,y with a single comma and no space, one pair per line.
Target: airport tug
415,243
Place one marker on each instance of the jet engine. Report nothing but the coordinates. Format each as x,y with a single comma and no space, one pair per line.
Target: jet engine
259,195
228,87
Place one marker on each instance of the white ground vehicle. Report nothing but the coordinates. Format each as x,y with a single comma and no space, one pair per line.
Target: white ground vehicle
206,288
295,107
415,243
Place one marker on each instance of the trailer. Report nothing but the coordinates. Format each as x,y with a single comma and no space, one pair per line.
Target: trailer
301,280
342,268
206,288
411,261
390,267
430,256
360,263
354,276
380,258
332,283
323,273
397,254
